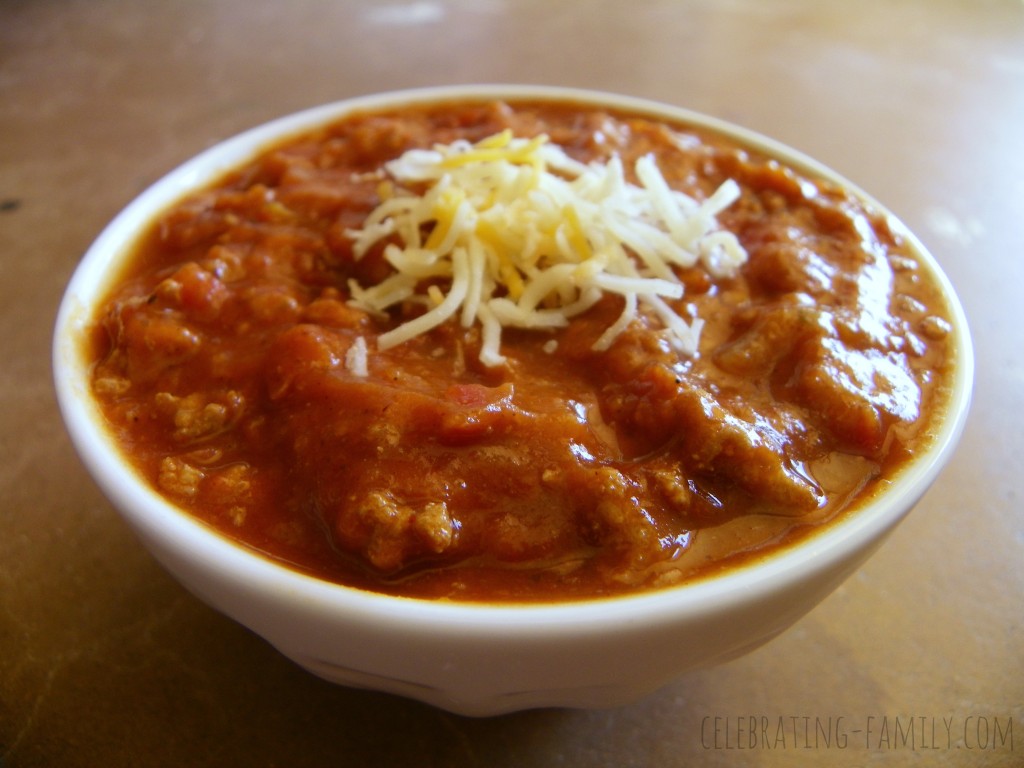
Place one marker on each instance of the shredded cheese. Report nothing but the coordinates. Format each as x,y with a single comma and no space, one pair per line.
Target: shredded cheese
356,358
512,232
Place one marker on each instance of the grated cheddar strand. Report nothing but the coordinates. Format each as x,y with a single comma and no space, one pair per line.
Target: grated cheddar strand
524,236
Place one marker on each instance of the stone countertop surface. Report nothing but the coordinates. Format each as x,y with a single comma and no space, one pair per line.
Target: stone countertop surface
916,659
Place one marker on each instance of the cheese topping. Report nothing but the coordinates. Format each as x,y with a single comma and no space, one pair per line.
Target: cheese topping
512,232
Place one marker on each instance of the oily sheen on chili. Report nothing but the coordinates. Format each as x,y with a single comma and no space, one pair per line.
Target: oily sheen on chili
224,365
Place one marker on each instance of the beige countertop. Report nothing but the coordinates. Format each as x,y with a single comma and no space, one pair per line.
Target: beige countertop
104,660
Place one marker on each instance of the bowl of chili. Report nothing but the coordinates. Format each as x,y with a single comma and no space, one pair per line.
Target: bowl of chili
502,397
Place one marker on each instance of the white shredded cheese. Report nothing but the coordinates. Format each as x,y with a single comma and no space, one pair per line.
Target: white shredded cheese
356,361
521,235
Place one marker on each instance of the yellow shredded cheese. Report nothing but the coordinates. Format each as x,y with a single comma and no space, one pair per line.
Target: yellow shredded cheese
521,235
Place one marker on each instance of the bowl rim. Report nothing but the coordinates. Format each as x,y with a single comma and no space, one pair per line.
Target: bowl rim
156,517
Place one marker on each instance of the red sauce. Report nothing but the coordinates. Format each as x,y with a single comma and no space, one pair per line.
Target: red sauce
220,364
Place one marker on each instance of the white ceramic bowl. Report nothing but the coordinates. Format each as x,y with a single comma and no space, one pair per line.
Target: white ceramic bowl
469,658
